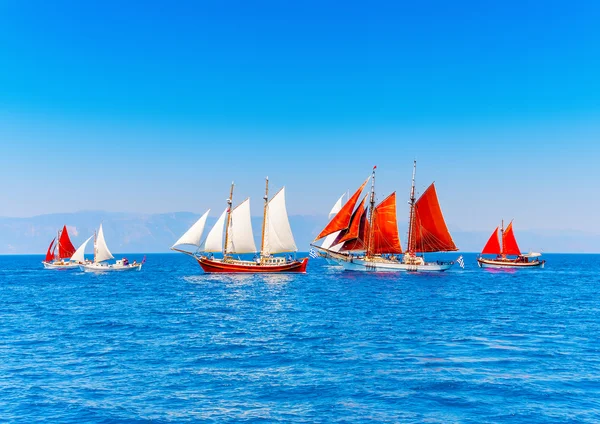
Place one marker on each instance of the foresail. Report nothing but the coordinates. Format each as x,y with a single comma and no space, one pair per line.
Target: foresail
337,207
79,255
328,241
278,233
214,239
429,231
492,247
50,253
102,252
193,236
241,239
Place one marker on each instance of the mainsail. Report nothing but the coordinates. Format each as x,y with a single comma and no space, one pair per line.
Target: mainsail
278,236
102,252
214,239
341,220
509,243
193,236
65,247
492,247
79,255
429,230
241,239
50,253
385,238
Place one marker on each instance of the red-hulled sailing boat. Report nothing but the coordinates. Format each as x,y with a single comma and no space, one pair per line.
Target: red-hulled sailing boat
369,241
508,248
58,254
276,238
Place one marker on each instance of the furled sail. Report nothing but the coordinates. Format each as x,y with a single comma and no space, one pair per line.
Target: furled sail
509,242
65,247
214,239
79,255
50,253
341,220
193,236
492,247
278,233
241,239
429,230
102,252
337,207
385,228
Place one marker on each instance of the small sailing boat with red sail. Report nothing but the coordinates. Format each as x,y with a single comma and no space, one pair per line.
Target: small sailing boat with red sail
277,238
508,254
370,239
60,252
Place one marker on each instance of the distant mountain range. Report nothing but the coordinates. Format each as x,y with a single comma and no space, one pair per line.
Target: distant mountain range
152,233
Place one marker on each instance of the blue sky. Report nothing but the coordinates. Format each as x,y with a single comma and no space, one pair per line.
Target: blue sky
156,107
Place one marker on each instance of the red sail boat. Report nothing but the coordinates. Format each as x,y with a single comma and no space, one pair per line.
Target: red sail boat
58,255
276,238
371,241
509,247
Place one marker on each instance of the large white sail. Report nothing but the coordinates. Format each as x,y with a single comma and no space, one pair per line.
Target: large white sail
336,208
329,240
102,252
193,236
278,233
79,255
241,239
214,239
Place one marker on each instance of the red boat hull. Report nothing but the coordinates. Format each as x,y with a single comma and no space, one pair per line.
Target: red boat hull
212,266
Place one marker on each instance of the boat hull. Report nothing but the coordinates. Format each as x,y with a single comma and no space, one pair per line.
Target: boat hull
248,267
365,265
508,264
63,266
110,268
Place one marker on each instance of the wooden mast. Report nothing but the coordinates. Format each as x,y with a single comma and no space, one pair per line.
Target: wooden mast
371,226
229,203
411,218
262,242
502,239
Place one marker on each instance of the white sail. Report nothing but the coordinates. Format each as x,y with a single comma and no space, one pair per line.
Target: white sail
336,208
214,239
79,255
241,239
193,236
102,252
278,233
329,240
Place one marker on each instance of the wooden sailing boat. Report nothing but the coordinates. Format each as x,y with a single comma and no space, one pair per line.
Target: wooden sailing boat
376,233
508,248
276,238
58,255
102,254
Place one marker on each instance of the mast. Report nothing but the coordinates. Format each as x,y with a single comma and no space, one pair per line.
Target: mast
229,203
262,242
372,202
502,239
411,217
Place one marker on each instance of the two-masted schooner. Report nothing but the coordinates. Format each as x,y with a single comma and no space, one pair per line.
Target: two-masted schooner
276,238
102,255
508,254
368,238
60,252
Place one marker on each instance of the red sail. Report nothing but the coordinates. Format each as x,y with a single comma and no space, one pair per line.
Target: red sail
385,228
357,242
341,220
65,247
429,231
492,247
509,243
50,253
354,228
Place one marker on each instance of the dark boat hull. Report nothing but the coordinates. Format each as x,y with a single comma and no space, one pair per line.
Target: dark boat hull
247,267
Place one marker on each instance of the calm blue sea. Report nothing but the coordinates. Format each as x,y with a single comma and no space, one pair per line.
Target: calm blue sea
170,344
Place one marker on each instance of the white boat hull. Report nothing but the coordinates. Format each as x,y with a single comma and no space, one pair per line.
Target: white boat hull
110,267
63,266
363,265
487,263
